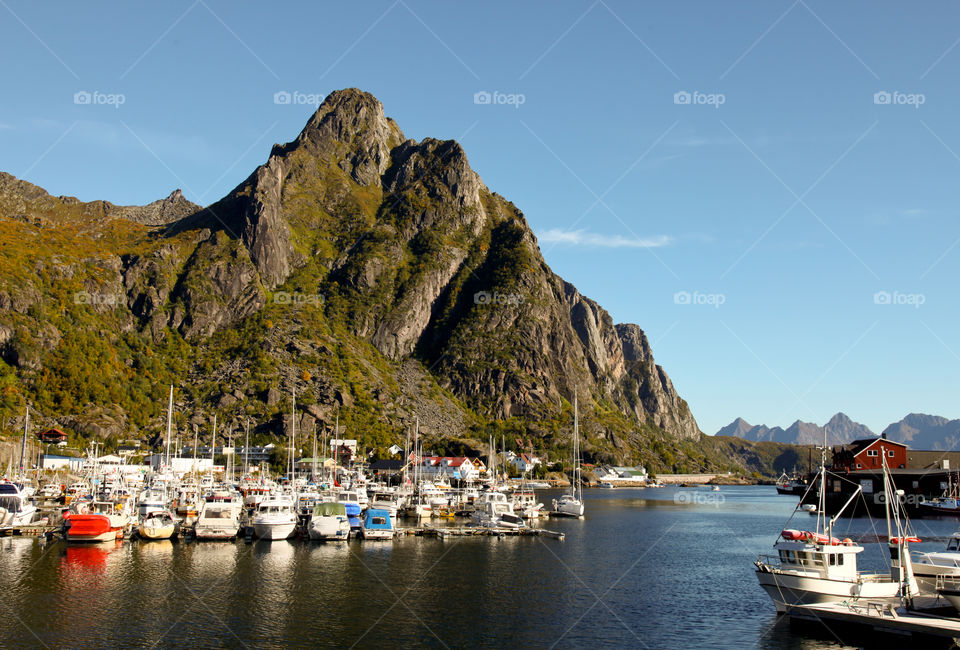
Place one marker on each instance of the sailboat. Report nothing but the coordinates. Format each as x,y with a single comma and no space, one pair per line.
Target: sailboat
571,504
815,567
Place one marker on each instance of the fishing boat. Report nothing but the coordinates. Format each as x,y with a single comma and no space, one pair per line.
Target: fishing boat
15,508
329,523
813,567
153,499
95,521
218,519
376,524
790,485
157,525
275,519
571,504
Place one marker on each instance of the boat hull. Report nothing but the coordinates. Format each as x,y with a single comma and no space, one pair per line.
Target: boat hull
95,528
273,530
786,589
377,534
156,532
329,529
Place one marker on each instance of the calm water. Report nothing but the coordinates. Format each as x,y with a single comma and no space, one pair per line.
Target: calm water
641,570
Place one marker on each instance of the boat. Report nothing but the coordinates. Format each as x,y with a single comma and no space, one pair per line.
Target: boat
526,505
938,568
376,524
494,510
814,567
793,485
389,501
157,524
15,508
153,499
571,504
95,521
218,519
605,484
716,488
51,491
275,519
329,523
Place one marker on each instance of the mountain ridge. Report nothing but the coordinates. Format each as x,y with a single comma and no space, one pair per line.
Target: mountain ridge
375,275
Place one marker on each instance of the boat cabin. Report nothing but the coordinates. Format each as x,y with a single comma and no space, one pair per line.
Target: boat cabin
806,554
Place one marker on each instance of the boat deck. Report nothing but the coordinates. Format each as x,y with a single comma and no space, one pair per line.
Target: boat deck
930,619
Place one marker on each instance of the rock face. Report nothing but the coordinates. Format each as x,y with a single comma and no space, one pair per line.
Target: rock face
384,242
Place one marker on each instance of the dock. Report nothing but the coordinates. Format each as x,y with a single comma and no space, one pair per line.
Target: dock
880,622
28,530
476,531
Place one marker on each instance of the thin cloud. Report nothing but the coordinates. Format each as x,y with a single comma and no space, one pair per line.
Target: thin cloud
584,238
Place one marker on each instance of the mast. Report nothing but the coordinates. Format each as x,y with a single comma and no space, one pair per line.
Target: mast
576,449
213,447
821,510
169,423
23,443
313,470
293,433
193,468
246,451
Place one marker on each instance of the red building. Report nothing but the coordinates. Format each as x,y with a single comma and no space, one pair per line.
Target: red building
867,454
52,436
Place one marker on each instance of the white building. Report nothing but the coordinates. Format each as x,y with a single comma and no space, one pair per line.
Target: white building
182,465
453,467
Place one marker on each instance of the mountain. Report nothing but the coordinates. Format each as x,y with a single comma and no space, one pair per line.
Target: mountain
376,276
926,432
840,430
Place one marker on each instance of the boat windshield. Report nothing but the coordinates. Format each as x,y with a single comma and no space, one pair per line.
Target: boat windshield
216,513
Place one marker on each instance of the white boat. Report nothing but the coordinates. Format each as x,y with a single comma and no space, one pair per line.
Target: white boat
153,499
493,509
392,502
376,525
816,567
571,504
526,505
157,524
329,523
275,519
15,509
51,491
218,519
938,568
605,484
97,521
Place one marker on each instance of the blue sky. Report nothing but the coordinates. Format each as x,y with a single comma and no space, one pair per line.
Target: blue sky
767,188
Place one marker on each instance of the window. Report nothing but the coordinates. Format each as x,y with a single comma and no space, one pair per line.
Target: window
889,453
840,560
871,452
859,465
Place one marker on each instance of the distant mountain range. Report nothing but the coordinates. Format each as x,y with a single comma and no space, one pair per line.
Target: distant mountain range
917,430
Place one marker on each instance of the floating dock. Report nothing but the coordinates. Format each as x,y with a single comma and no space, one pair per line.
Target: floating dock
28,530
879,624
476,531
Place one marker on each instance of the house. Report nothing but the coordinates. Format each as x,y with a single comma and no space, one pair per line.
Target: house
52,437
523,462
306,464
387,466
453,467
868,452
62,462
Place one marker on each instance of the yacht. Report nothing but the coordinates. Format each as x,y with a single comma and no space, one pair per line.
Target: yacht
526,505
15,509
218,519
815,567
329,523
157,524
387,500
571,504
939,567
275,519
496,511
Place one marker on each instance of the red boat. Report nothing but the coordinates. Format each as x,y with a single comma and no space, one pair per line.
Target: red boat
100,521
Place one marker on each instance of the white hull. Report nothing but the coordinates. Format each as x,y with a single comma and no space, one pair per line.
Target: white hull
273,530
329,529
377,534
788,589
568,508
215,532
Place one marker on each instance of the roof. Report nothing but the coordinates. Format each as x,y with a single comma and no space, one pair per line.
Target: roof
389,464
51,434
857,446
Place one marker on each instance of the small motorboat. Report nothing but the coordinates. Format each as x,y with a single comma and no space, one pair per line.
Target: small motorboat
376,524
97,521
157,524
329,523
275,519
